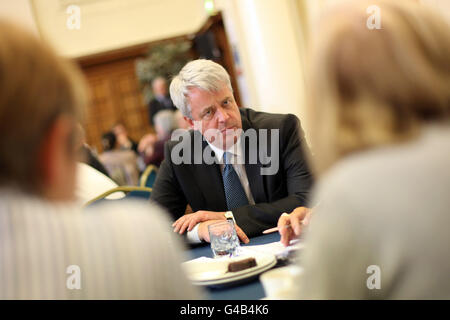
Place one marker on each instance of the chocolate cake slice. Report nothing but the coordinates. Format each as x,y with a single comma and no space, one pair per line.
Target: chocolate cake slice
241,265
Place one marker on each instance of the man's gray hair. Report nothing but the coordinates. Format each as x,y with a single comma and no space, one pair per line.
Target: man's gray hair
203,74
166,120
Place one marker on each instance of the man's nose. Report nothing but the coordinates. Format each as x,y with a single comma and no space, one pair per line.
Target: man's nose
222,114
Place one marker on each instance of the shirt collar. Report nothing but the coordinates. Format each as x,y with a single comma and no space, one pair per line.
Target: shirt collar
235,150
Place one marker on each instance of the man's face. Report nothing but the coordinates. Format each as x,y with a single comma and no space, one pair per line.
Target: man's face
160,87
216,115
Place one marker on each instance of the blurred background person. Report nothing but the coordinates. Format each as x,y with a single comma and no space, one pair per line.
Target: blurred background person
121,164
152,146
123,141
180,122
146,145
86,155
181,126
118,251
161,100
92,177
109,141
380,121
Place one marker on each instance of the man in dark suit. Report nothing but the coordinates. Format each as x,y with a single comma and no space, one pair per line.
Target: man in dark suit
161,100
236,164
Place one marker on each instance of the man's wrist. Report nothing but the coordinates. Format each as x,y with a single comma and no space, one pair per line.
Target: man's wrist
193,236
229,216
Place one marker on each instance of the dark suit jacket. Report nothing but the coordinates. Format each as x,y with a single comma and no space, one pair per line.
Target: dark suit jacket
201,185
155,105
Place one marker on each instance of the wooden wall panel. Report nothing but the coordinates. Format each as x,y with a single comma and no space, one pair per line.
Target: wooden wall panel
116,97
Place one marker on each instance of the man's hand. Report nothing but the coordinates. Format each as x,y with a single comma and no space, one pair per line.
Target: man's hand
188,221
296,220
203,233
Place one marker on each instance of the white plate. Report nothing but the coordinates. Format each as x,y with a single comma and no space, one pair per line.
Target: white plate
206,271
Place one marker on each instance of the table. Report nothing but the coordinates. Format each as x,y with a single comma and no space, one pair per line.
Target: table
251,290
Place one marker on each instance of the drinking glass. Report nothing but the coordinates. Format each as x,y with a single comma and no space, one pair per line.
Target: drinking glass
224,240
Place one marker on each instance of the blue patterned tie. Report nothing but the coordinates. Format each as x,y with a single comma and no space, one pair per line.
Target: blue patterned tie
234,192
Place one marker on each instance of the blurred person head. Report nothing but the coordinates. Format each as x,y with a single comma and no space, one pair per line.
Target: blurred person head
369,88
122,140
202,92
180,122
119,129
147,142
159,87
42,97
164,123
109,141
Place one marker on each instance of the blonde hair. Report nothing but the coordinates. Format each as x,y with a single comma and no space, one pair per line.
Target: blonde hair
371,87
36,87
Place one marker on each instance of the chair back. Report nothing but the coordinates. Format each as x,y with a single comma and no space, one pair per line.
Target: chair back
148,177
131,192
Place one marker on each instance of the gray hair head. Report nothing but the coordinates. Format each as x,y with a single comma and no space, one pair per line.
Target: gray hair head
203,74
157,80
165,120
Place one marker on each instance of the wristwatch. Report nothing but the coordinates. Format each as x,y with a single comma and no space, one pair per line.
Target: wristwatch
229,216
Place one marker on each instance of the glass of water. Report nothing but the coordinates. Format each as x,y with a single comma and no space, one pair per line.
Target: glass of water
224,240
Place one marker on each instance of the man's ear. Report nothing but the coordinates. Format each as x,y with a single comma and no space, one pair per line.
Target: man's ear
189,121
57,160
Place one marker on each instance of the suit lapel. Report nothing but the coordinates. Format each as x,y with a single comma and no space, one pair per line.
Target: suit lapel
253,170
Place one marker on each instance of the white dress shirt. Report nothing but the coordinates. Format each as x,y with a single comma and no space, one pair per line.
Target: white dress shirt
238,162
